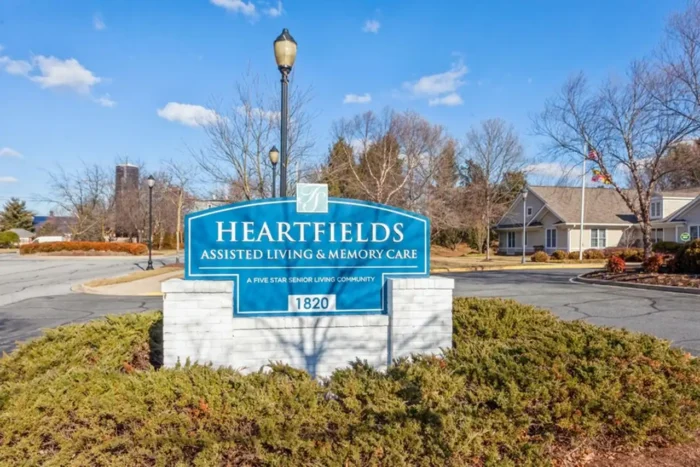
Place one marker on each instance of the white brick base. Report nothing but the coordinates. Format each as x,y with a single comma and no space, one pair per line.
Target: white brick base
198,325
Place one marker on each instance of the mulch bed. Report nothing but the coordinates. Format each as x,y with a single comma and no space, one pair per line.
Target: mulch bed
637,277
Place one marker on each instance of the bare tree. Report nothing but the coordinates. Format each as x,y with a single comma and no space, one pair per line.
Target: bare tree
495,149
625,126
182,176
86,195
386,149
240,139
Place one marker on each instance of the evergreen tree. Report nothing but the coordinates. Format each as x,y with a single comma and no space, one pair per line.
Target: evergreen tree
447,170
15,215
338,172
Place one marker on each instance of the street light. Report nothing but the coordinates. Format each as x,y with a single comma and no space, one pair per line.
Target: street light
285,53
274,157
524,193
151,184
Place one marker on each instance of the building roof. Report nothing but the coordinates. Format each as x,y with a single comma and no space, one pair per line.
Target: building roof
681,193
21,233
603,205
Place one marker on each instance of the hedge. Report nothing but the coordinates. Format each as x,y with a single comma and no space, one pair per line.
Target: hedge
52,247
634,255
539,257
520,387
687,259
666,247
8,239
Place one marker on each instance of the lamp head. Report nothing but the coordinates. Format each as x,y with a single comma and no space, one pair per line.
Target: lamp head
285,51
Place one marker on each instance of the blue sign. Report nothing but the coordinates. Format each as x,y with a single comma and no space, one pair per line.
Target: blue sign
307,256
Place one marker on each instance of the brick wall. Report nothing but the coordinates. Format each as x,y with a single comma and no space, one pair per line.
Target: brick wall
198,325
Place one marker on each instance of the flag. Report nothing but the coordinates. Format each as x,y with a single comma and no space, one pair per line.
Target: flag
599,176
592,154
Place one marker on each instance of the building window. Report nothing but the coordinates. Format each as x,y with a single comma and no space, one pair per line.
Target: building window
694,232
551,238
529,211
656,209
598,238
657,235
511,239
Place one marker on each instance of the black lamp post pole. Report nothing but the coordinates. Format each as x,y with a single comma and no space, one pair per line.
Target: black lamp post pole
150,229
285,117
274,179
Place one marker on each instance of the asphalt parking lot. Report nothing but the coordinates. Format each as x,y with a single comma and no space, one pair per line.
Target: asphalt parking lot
35,294
668,315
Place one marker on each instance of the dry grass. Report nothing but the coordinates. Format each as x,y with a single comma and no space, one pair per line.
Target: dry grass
134,276
4,251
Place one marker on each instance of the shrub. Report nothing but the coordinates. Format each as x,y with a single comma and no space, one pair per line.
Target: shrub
539,257
615,264
51,247
688,258
573,255
634,255
593,254
559,255
8,239
653,263
666,247
518,385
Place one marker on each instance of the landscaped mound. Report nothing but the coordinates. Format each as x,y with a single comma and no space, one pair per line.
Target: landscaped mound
520,388
86,247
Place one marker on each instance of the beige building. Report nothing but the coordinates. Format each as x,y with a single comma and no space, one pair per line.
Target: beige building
553,219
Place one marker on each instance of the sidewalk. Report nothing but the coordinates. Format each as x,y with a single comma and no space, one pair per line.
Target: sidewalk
149,286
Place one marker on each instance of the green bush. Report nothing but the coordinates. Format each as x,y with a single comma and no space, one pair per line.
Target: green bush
666,247
539,257
593,254
559,255
688,258
518,387
8,239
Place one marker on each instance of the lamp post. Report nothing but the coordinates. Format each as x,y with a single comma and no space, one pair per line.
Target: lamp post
524,193
274,157
285,53
151,183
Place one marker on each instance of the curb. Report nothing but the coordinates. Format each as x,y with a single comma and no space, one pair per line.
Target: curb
520,267
661,288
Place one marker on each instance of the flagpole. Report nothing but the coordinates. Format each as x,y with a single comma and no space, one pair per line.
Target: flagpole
583,204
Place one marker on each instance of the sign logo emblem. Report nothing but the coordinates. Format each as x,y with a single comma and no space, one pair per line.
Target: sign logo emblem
309,256
312,198
685,237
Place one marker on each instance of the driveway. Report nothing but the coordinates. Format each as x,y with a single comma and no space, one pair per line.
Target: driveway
26,277
35,293
668,315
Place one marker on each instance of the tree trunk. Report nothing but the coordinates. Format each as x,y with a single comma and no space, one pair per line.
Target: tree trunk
488,230
646,238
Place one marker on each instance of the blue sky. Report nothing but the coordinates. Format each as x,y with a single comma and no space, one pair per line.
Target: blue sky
83,80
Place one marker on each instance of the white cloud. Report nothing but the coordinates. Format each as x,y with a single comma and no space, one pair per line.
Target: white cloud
440,83
188,114
15,67
9,152
357,98
98,23
236,6
105,101
275,11
450,100
372,25
52,72
547,169
69,73
8,180
257,112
